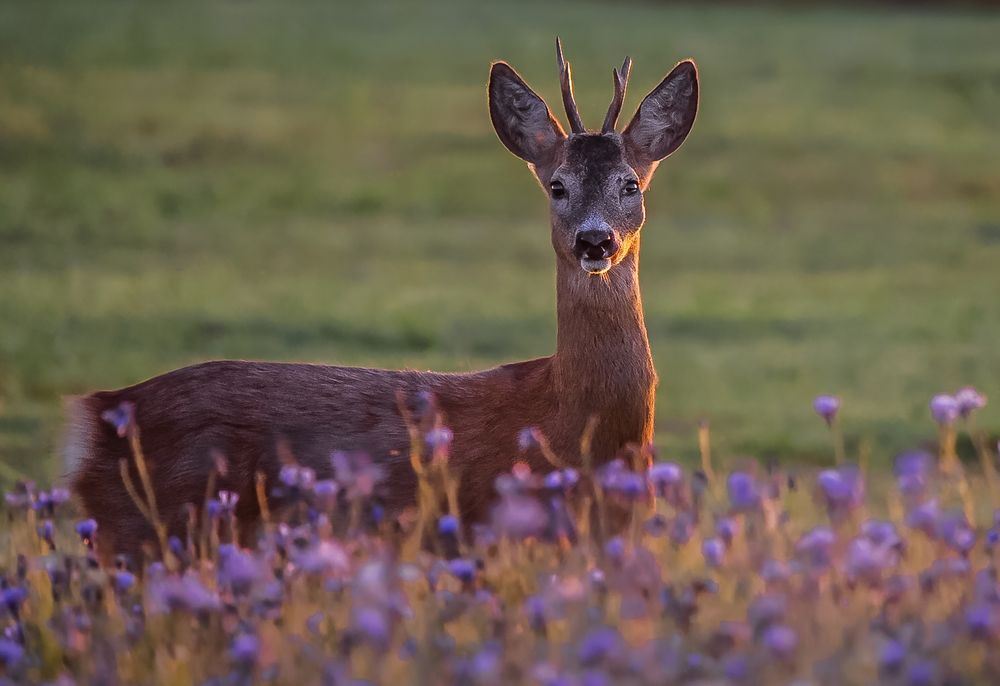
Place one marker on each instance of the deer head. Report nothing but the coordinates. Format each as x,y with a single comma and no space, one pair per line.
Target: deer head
595,180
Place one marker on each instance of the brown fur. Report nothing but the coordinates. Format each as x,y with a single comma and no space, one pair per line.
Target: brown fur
602,366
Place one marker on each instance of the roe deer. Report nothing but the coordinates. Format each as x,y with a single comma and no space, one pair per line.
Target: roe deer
602,365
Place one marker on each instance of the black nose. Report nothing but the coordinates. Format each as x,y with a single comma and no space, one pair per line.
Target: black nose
594,244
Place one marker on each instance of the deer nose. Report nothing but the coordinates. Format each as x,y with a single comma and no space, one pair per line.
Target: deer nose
594,244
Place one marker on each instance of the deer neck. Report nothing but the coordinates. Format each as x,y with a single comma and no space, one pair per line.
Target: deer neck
602,361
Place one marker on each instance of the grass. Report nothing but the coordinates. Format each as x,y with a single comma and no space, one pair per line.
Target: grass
318,181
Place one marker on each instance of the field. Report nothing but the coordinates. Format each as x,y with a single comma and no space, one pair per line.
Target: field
319,181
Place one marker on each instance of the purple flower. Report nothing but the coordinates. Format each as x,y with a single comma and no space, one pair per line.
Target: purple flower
615,549
714,551
238,570
766,610
826,406
11,652
666,474
46,532
726,529
439,438
781,641
921,673
326,489
842,489
866,561
681,528
519,516
372,625
881,533
912,470
526,439
969,400
743,491
120,417
124,581
892,656
615,478
448,525
954,529
228,500
598,645
295,476
86,529
463,570
981,621
816,547
12,597
244,649
944,409
924,517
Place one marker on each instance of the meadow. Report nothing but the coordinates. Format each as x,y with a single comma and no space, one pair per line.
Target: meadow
319,181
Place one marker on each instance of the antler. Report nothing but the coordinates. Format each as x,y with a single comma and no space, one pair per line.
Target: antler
566,82
621,83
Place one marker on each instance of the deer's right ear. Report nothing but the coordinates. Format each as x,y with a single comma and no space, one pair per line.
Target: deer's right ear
522,119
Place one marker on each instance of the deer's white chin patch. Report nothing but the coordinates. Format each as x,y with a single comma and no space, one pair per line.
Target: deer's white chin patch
595,266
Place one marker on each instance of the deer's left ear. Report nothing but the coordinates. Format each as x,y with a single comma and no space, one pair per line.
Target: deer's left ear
665,116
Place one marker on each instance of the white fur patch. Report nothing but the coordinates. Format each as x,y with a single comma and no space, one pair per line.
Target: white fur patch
78,434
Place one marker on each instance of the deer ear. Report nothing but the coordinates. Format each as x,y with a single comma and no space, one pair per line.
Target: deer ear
665,116
522,119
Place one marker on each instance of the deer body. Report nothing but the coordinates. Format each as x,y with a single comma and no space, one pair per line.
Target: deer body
250,411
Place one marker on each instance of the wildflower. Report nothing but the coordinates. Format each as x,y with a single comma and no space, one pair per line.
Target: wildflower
743,492
956,532
439,438
816,547
881,533
781,641
969,400
123,581
726,529
924,518
519,516
681,528
766,610
294,476
981,621
944,409
12,597
448,525
244,649
527,439
325,556
598,645
735,668
326,490
912,471
46,532
714,551
120,417
228,501
891,657
463,570
372,625
866,561
11,652
921,673
656,526
615,549
615,478
86,529
826,406
668,480
237,570
842,489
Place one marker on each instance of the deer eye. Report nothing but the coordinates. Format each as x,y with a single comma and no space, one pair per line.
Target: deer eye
631,188
557,189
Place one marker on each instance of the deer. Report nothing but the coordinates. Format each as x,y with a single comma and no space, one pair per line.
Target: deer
602,366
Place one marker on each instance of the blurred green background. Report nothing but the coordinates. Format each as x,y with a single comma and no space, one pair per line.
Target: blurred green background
319,181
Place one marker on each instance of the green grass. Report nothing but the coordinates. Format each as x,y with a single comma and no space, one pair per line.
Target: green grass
319,181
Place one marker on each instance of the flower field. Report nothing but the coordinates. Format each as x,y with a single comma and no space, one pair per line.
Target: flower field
633,572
